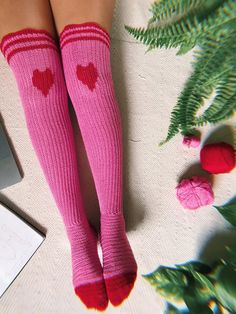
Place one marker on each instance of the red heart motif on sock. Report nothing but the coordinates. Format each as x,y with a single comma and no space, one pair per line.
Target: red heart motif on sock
43,80
88,75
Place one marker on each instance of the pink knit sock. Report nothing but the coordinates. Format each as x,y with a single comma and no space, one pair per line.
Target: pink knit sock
34,59
87,69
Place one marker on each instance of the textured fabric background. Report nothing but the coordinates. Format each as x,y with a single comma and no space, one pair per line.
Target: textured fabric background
159,230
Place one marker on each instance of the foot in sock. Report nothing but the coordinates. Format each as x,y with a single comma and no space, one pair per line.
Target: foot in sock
119,265
87,270
34,59
86,61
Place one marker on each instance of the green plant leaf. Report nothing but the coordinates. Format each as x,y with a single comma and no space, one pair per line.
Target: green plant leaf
198,286
198,294
230,259
211,26
195,307
171,309
228,212
226,287
195,266
201,286
186,29
205,289
213,275
224,103
186,47
168,282
164,9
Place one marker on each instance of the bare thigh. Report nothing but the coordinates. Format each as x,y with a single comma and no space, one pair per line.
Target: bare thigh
19,14
80,11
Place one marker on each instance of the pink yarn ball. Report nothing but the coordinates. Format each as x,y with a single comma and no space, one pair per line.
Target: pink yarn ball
191,141
195,192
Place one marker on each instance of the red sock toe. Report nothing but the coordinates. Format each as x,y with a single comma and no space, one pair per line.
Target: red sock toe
93,295
119,287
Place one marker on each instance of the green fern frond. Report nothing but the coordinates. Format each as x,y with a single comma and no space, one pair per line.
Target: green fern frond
170,37
210,66
188,30
216,14
166,12
211,62
164,9
224,103
226,112
173,128
211,25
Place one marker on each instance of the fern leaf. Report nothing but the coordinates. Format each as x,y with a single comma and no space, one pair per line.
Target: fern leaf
211,25
226,112
169,37
211,61
173,128
209,67
224,103
221,17
165,9
188,30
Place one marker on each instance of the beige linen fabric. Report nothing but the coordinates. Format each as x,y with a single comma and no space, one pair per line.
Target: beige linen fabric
159,229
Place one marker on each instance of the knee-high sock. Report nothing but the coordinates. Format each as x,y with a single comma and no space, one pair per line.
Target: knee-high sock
86,61
33,56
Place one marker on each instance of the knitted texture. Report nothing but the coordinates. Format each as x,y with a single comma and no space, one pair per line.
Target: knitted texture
33,56
195,192
218,158
86,61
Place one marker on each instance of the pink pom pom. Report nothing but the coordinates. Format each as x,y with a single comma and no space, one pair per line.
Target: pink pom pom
195,192
191,141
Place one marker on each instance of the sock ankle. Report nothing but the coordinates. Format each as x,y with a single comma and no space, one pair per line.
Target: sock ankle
86,61
34,58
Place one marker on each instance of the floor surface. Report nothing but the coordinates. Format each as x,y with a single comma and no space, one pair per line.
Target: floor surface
159,229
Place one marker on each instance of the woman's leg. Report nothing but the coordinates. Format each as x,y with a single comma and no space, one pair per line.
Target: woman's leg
16,15
82,11
35,61
85,45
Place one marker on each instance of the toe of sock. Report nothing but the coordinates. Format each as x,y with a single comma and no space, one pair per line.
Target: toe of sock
119,287
93,295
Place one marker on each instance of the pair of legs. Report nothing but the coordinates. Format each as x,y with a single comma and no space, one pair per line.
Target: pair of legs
53,15
44,74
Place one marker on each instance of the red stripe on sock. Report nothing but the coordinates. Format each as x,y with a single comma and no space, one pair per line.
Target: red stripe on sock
25,40
81,31
24,31
84,38
92,24
17,50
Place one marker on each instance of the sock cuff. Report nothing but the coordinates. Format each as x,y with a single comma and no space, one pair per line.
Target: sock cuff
84,32
26,39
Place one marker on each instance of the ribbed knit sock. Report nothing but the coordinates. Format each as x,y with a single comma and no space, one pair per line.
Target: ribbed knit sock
33,56
86,61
